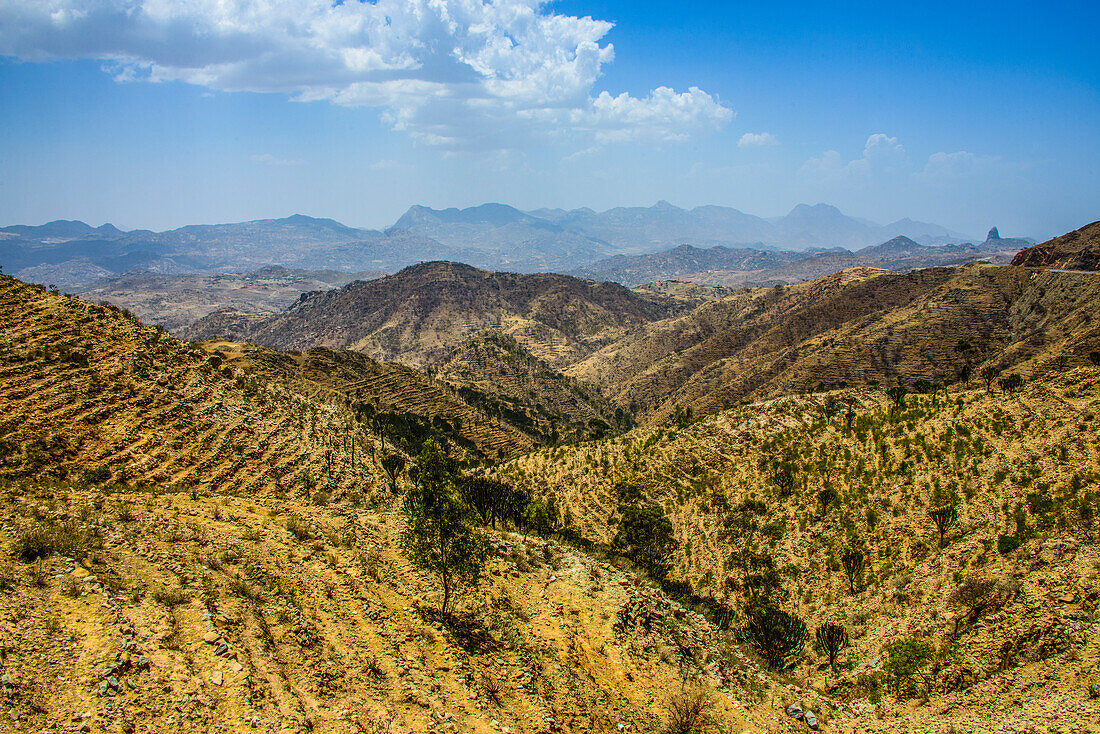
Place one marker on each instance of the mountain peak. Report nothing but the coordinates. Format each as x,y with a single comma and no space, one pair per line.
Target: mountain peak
818,209
896,247
993,234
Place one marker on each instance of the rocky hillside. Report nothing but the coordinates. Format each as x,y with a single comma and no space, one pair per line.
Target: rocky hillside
422,313
193,540
1007,602
88,389
1078,250
494,371
857,327
406,406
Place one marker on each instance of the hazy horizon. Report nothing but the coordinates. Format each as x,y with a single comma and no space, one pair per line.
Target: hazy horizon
154,116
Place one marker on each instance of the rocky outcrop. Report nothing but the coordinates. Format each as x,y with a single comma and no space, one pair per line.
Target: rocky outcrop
1078,250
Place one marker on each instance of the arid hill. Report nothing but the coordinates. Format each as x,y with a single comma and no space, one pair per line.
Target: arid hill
494,371
394,392
86,388
857,327
1006,602
422,313
1078,250
197,541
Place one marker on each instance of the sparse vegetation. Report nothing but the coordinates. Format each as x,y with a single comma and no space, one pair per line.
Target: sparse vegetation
441,536
688,711
831,639
944,518
778,636
906,662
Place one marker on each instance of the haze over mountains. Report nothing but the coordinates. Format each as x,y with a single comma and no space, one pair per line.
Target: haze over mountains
491,236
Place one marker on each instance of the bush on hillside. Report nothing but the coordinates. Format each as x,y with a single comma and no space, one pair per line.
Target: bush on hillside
779,637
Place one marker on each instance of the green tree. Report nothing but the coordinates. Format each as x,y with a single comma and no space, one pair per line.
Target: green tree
853,561
989,374
944,518
779,637
905,663
783,480
488,496
536,516
442,537
965,372
897,395
392,465
831,639
645,537
1011,384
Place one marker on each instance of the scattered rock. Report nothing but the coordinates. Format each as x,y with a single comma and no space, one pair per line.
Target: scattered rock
216,679
794,711
811,720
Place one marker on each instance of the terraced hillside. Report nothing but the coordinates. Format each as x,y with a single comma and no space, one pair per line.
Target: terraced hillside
87,389
857,327
494,371
190,545
350,377
1008,600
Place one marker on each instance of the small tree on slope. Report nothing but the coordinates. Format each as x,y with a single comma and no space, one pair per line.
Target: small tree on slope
442,537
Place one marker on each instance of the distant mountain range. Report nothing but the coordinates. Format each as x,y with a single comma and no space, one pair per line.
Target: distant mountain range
742,267
493,236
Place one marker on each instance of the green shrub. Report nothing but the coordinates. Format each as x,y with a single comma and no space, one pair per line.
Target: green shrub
779,637
1007,543
99,475
298,527
905,663
831,639
40,540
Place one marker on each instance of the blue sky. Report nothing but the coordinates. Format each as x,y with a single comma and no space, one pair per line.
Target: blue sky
162,114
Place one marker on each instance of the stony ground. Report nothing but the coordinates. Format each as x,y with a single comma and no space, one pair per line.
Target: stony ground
208,614
186,547
1030,458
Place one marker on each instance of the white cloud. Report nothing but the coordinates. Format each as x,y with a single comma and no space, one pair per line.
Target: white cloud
268,159
757,140
950,165
384,164
458,73
882,154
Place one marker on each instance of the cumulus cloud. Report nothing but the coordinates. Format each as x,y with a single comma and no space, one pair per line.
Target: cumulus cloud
757,140
881,154
950,165
458,73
